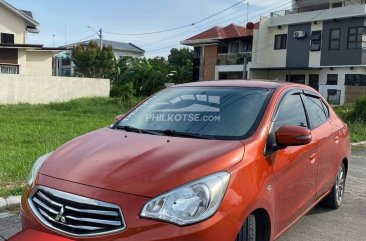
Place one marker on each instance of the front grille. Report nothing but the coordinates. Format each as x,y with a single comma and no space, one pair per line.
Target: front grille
75,215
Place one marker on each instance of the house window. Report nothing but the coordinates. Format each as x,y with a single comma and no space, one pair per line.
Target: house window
334,97
66,61
7,38
280,41
197,52
9,69
314,81
316,40
355,37
332,79
337,5
335,39
299,79
355,80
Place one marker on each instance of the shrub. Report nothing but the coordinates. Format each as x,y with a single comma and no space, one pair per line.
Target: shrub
360,109
124,92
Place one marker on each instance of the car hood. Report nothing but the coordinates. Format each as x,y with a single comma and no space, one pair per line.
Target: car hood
140,164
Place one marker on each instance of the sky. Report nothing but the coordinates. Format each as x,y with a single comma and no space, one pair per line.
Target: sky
67,20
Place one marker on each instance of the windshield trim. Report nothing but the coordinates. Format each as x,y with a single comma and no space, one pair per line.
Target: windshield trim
250,132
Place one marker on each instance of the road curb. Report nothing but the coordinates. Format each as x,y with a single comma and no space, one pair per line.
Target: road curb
359,143
10,201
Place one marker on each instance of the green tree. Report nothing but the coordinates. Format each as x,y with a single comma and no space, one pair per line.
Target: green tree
146,75
181,61
143,77
93,62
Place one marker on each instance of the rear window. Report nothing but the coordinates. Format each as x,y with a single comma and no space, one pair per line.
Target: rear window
221,113
317,111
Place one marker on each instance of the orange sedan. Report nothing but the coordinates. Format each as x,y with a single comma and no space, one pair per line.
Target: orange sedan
206,161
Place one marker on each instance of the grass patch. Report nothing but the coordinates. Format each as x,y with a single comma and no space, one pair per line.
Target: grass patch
355,119
29,131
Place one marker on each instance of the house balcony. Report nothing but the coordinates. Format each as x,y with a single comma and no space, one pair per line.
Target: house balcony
323,12
317,7
233,58
231,65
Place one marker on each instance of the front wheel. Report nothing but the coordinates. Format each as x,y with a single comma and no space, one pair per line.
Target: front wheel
335,197
248,231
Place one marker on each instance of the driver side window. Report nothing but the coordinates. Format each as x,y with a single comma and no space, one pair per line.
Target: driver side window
291,113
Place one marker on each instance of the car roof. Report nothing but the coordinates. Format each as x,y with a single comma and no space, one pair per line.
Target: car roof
237,83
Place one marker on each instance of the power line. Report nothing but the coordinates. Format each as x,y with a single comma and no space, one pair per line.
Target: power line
160,50
226,18
180,27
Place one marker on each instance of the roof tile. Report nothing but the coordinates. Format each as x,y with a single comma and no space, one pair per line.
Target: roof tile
228,32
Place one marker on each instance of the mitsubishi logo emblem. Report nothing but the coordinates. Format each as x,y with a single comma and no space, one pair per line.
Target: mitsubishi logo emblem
60,216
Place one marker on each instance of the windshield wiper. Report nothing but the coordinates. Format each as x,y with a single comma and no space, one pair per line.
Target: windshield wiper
136,130
185,134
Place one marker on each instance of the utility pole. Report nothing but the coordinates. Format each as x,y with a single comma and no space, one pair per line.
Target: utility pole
65,34
100,35
101,38
245,64
247,12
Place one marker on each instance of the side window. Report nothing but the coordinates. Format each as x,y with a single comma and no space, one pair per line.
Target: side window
280,41
335,39
317,111
291,113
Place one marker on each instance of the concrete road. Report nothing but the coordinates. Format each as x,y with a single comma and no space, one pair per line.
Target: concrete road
9,224
344,224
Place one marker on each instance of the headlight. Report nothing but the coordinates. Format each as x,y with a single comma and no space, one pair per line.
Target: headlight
35,169
191,203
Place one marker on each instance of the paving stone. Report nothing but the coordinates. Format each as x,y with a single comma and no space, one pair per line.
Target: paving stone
3,203
13,200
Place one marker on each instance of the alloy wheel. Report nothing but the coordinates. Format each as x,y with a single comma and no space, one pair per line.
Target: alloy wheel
340,185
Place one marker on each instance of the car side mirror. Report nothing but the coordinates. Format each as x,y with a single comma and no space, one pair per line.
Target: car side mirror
293,136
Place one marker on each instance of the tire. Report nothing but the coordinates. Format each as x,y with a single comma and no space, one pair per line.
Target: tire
335,197
248,231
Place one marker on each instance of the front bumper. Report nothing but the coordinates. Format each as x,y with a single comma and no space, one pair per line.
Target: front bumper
220,227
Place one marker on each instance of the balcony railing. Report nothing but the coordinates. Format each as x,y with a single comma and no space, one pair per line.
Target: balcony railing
233,58
315,8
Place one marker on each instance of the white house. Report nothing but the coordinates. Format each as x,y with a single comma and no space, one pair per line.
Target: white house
16,55
65,67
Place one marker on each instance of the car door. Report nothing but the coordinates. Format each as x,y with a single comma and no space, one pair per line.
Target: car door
295,167
325,132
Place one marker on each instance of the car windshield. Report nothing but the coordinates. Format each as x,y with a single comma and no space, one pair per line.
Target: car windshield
201,112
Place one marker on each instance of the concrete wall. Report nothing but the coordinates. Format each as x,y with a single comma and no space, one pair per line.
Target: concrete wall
45,89
11,23
264,54
298,49
38,63
352,92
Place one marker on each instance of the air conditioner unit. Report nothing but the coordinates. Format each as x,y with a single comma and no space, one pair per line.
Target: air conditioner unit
299,34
